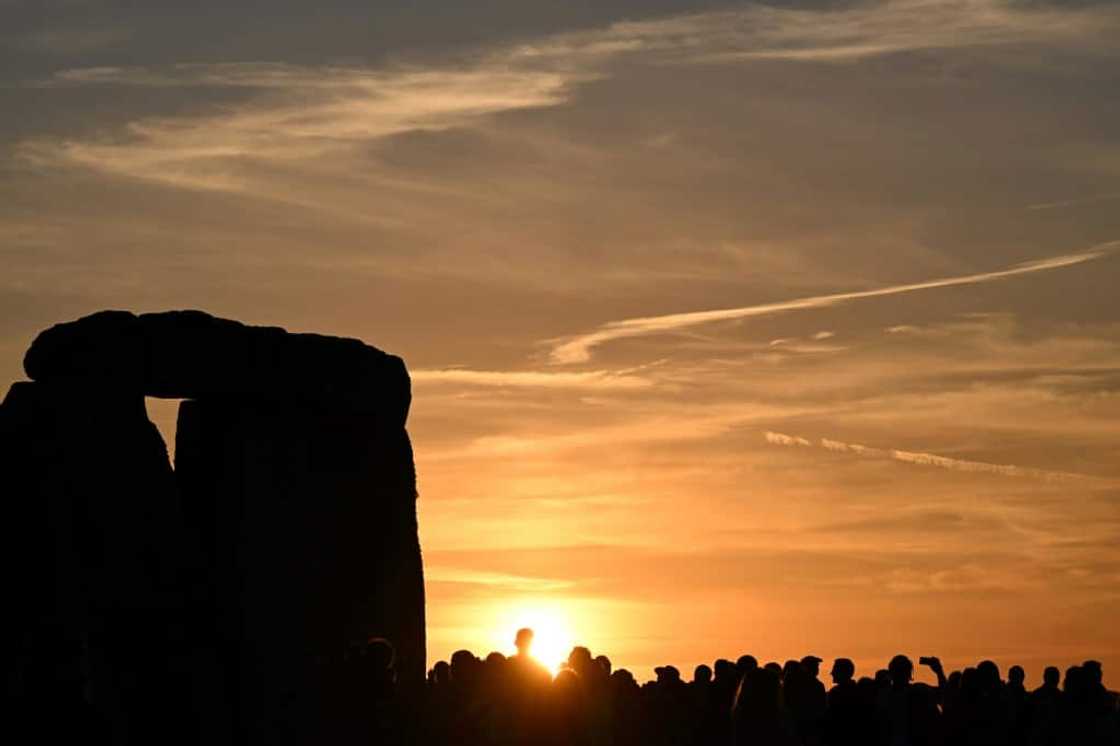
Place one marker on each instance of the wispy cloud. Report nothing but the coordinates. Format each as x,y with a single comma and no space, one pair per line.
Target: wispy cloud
450,574
867,30
578,349
928,459
782,439
309,116
760,31
1092,199
302,113
593,379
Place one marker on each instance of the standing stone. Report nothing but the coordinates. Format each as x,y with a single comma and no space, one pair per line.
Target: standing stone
209,601
308,522
95,551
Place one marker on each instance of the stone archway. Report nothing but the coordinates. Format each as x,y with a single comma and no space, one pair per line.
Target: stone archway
286,529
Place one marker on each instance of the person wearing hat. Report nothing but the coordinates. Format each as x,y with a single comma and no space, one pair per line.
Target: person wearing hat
812,700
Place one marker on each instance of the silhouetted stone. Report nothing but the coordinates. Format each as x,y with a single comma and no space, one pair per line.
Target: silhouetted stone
95,548
106,346
193,355
309,525
208,596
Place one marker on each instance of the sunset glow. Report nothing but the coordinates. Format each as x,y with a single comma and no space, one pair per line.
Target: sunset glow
773,328
553,638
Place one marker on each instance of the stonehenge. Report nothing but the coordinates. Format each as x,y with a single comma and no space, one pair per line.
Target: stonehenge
212,593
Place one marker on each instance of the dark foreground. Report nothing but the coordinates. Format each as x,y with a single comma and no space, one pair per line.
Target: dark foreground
514,700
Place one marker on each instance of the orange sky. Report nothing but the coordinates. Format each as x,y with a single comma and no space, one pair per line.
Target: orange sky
733,327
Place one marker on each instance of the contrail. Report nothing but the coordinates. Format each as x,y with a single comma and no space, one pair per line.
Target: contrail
1075,202
930,459
578,349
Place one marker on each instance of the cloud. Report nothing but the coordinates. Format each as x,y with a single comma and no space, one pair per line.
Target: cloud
759,31
578,349
305,117
305,112
73,41
868,30
930,459
594,379
499,580
786,440
1093,199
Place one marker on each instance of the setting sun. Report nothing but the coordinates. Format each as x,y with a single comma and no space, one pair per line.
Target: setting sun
552,635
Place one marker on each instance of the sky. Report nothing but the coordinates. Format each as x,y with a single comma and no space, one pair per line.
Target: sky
777,328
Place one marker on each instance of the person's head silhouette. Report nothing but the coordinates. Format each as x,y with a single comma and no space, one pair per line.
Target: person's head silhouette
746,664
667,675
579,660
524,641
1016,676
843,671
811,666
1051,677
901,670
702,675
988,672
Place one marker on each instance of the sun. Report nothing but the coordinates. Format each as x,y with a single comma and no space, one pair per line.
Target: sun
552,634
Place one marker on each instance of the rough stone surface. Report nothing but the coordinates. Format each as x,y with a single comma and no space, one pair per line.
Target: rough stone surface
193,355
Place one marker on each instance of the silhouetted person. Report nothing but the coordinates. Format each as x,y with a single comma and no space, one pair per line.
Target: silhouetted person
1015,692
806,699
528,688
987,710
725,682
705,713
627,716
1045,710
902,709
567,722
525,669
440,674
580,660
847,719
745,663
669,707
758,716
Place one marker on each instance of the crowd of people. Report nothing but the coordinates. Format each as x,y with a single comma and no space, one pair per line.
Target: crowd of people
514,700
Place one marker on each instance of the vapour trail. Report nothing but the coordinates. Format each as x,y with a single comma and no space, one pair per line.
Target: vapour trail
578,349
929,459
